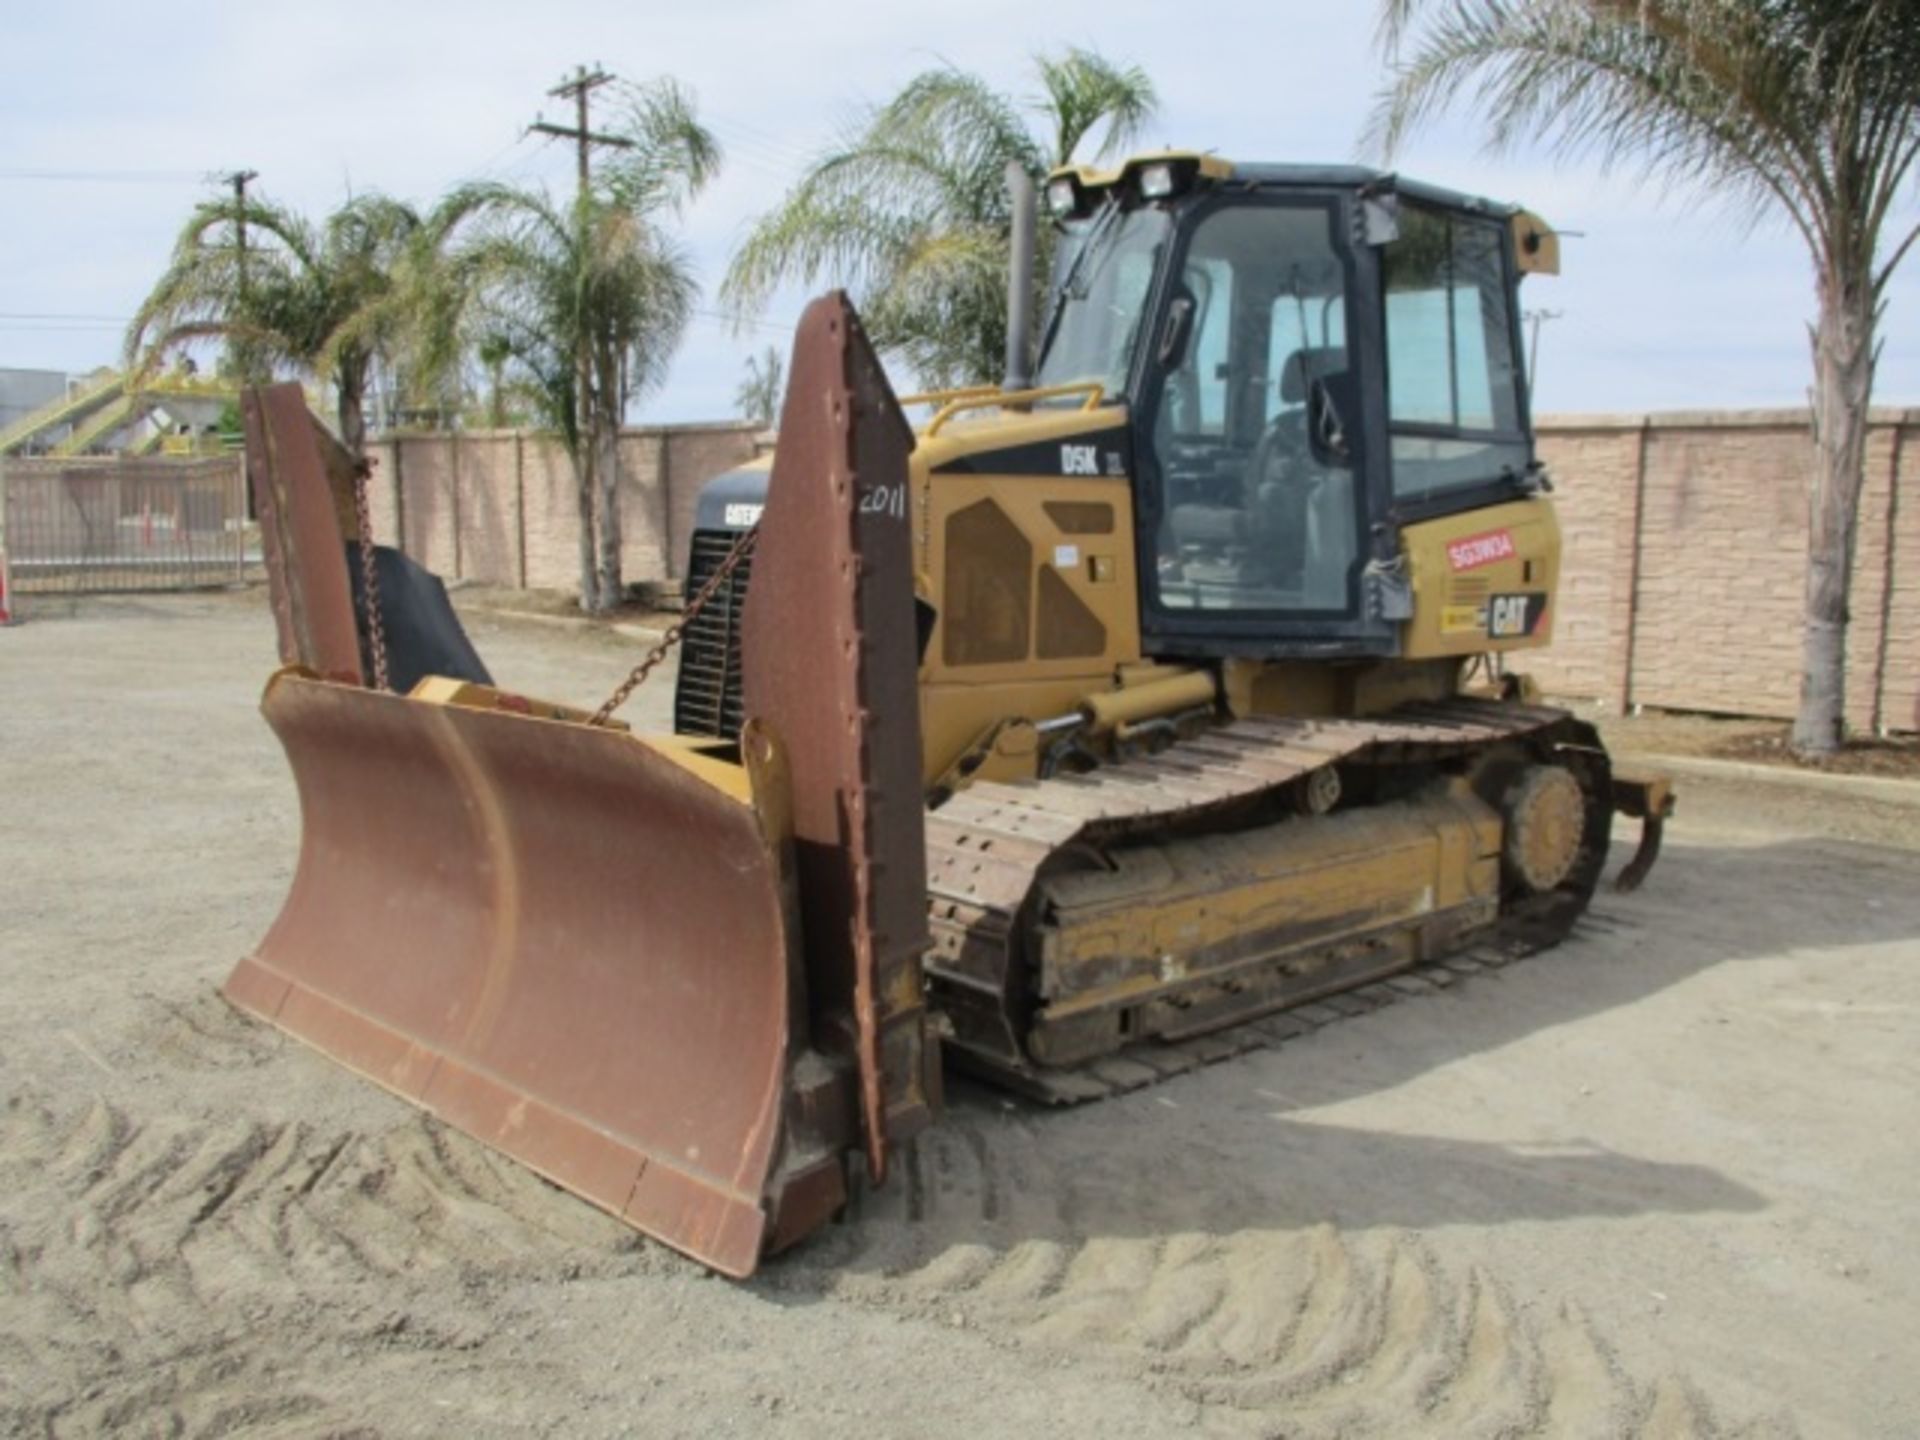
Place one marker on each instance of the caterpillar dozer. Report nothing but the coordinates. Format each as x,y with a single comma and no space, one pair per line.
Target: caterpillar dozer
1116,707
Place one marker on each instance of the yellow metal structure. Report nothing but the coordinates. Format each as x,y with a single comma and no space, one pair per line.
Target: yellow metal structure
1034,584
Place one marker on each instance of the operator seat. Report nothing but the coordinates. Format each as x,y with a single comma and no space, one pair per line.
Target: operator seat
1282,487
1291,528
1301,492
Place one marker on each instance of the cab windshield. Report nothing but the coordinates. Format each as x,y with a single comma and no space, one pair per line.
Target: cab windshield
1103,272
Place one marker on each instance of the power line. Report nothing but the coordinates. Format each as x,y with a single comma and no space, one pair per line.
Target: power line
730,322
765,139
62,315
48,328
110,177
493,162
757,151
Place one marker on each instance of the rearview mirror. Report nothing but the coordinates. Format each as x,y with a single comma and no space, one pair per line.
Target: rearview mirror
1327,423
1173,340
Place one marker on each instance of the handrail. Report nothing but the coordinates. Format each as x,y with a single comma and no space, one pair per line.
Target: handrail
180,384
61,410
942,397
1092,389
75,409
117,414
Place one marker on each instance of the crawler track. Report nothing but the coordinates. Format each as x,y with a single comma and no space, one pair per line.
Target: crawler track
988,847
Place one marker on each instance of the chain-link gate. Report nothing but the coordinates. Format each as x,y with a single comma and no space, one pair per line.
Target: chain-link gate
76,527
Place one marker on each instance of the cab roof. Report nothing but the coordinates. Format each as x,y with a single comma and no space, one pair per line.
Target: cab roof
1539,247
1306,176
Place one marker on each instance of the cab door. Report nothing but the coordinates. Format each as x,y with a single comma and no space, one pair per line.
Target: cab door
1258,472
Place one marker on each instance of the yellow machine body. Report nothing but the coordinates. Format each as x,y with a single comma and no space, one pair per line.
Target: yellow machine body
1215,615
1035,588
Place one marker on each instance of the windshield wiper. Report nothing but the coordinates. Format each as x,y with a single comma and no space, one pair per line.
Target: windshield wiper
1076,284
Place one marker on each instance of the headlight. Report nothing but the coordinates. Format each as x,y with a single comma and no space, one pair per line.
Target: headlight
1156,181
1061,197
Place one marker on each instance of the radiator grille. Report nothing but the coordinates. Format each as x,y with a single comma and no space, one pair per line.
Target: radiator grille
706,698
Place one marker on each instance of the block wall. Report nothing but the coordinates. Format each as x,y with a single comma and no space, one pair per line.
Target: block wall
1683,566
501,506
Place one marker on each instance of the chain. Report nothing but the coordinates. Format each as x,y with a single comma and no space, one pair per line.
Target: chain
742,548
370,577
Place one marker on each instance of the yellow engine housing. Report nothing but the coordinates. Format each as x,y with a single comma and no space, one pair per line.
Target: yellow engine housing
1035,587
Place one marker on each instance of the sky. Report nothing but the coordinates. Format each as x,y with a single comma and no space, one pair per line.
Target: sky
114,116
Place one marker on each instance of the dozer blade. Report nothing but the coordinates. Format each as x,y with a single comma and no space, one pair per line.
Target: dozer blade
551,935
679,981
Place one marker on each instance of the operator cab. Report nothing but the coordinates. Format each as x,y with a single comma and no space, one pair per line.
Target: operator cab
1310,358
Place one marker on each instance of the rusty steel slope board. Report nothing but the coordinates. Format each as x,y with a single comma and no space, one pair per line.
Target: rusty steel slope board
552,936
300,531
830,663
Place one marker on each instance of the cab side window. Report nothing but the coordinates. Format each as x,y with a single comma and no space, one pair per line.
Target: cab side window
1453,387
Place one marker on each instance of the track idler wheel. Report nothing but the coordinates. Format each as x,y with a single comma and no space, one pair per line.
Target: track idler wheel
1544,814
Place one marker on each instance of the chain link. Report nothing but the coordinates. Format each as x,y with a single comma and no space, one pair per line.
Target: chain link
370,577
741,549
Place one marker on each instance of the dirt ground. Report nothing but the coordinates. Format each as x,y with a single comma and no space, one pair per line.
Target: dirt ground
1761,742
1661,1181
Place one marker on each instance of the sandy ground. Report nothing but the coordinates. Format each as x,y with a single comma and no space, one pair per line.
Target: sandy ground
1661,1181
1764,742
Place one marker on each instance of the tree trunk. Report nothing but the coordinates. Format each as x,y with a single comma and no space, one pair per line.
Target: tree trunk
606,443
351,410
1843,384
583,498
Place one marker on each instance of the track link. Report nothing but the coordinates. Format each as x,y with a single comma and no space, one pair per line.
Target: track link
987,848
1152,1061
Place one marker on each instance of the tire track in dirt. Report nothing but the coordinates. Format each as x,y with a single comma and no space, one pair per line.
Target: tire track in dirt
1317,1331
205,1033
291,1198
147,1264
288,1229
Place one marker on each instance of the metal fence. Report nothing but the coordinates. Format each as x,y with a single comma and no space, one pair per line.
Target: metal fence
126,524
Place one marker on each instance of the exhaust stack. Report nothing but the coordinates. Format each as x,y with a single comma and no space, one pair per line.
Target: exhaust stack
1020,279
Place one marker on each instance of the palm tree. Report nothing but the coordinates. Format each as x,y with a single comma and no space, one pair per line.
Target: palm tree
581,305
323,301
762,386
1807,109
910,212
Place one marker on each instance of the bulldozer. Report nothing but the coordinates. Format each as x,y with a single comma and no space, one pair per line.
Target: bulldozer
1067,735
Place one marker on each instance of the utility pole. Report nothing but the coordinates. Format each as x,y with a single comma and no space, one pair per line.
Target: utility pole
595,594
579,89
239,353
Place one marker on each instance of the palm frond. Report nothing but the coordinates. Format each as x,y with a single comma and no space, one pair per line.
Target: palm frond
671,156
1083,90
1681,89
908,209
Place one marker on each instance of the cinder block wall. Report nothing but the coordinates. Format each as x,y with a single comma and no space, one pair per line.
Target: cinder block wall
1685,564
499,506
1685,541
